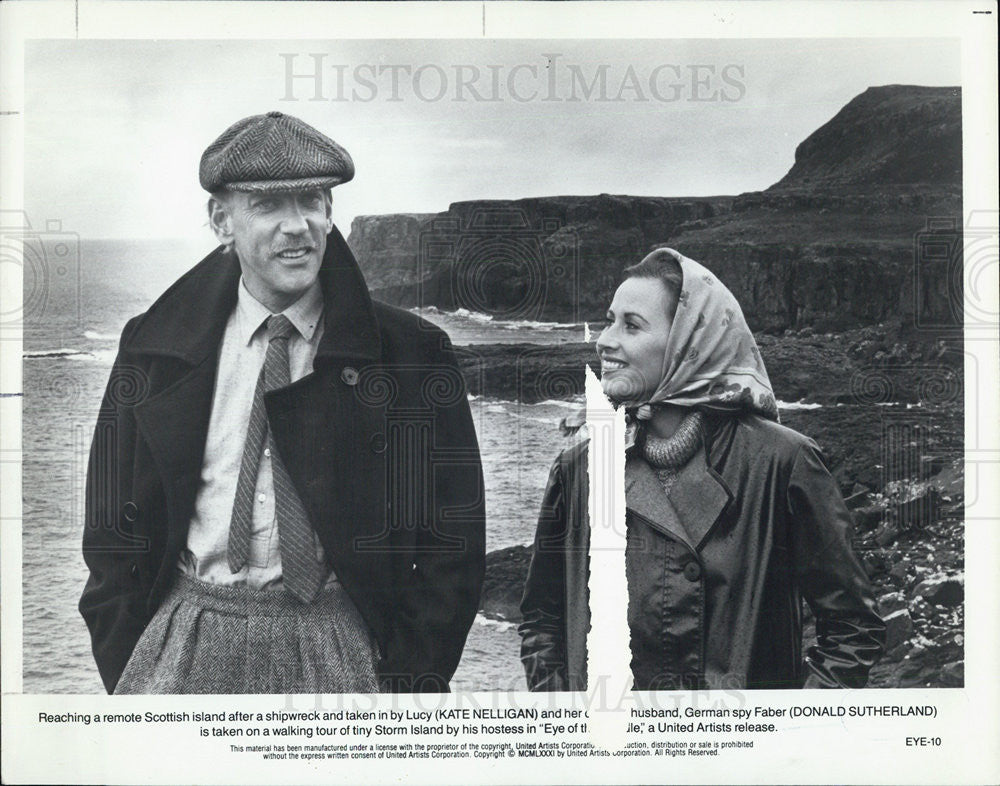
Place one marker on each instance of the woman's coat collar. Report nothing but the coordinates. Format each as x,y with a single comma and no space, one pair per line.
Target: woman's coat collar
696,499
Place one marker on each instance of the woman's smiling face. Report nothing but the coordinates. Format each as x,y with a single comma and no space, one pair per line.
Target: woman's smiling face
633,346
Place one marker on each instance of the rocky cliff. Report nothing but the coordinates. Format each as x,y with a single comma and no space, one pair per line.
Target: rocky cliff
387,247
892,135
865,227
546,259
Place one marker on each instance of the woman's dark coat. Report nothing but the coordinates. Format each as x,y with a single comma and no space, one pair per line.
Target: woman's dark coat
379,441
716,571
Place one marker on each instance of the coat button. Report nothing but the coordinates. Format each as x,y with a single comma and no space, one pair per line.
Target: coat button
349,375
692,571
378,443
130,511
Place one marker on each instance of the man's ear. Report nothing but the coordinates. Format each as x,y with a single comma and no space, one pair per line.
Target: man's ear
220,218
328,201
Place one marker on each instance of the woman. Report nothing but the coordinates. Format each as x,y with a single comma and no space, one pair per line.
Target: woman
731,518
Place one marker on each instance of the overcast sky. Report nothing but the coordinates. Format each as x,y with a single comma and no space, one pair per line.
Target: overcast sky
114,130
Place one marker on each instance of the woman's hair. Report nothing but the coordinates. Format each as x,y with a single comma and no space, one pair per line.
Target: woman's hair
661,265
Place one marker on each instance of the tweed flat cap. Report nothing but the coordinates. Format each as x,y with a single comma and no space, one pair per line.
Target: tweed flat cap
273,152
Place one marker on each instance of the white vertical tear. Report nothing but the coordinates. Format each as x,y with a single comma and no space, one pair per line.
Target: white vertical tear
609,674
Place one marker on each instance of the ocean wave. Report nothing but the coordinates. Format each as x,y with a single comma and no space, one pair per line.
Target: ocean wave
797,405
102,356
458,313
494,404
496,624
93,335
529,324
475,316
571,403
69,354
503,324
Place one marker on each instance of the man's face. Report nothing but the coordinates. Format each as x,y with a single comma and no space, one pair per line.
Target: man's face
280,239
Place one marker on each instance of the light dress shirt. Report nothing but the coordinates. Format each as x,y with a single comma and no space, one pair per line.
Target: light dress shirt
241,357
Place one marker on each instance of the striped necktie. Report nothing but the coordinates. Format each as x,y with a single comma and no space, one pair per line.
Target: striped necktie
301,572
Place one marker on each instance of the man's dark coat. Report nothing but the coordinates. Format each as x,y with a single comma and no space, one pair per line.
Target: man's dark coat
379,441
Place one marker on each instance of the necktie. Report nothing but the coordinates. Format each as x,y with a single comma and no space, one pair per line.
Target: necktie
301,572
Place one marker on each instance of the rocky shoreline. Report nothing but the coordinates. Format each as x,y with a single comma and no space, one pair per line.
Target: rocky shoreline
874,365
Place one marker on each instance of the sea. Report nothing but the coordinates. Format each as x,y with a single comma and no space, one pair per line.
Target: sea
78,295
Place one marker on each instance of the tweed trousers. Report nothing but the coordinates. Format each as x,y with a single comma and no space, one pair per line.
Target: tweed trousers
209,638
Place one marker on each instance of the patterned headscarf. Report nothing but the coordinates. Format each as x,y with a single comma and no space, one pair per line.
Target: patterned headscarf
712,360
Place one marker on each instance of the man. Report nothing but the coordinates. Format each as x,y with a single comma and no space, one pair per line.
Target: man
284,491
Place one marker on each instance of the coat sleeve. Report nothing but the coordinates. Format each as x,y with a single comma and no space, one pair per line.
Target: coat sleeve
438,603
543,606
113,603
850,634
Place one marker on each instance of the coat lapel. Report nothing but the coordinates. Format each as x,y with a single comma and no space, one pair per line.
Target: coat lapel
699,495
351,331
325,437
174,424
644,496
180,335
188,320
695,501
